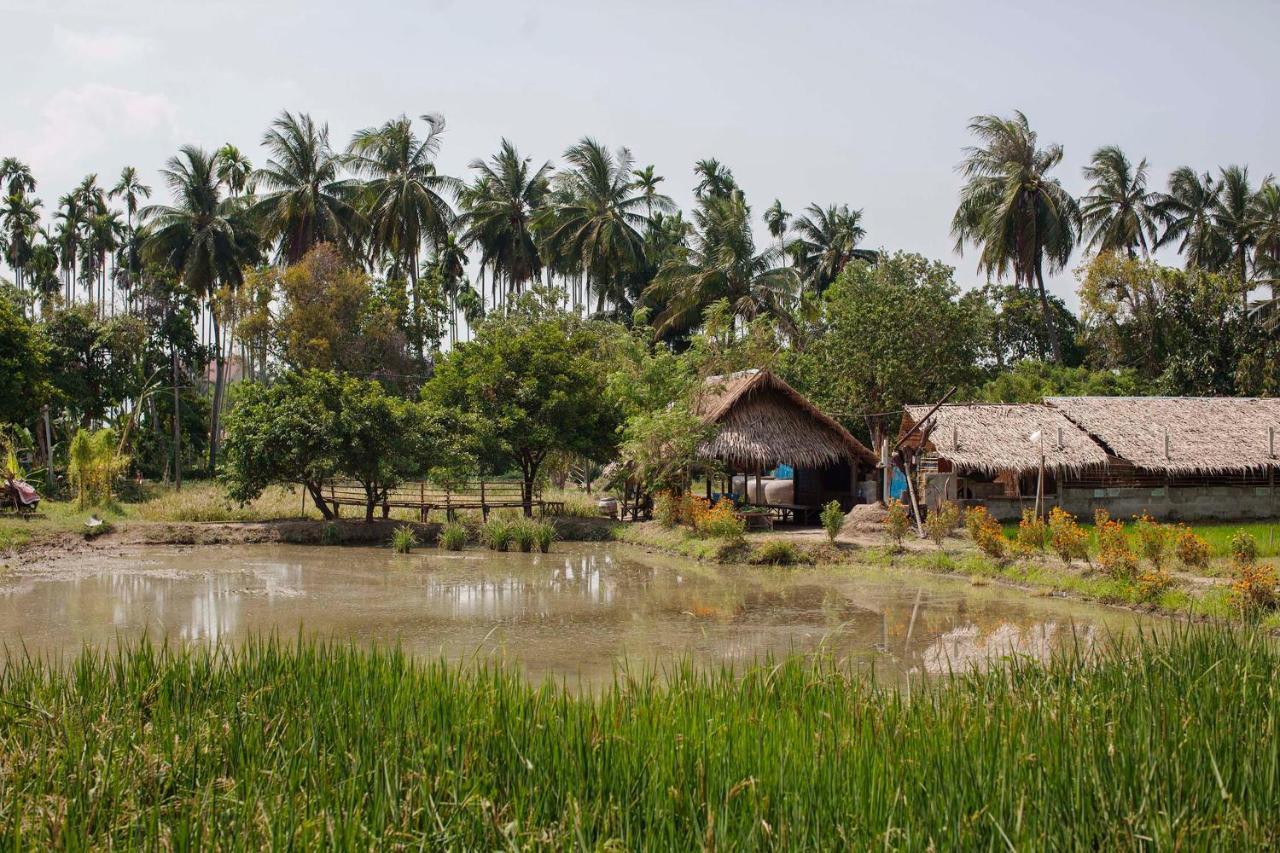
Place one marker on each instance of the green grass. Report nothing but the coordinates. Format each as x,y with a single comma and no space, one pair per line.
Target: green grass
1156,743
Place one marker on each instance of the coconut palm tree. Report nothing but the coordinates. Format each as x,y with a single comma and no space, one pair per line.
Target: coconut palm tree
234,170
404,201
19,216
777,220
1020,218
206,240
1187,211
501,207
1118,213
595,218
721,264
307,201
1265,216
714,179
1234,222
828,241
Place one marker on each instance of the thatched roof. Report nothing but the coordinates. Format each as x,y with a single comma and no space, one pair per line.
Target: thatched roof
993,437
1181,435
763,422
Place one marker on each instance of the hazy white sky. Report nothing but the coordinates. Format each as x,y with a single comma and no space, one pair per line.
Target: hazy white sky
857,102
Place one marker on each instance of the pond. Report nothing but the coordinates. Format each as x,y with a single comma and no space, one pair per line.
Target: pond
578,613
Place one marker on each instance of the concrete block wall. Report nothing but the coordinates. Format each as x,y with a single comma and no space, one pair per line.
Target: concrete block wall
1179,503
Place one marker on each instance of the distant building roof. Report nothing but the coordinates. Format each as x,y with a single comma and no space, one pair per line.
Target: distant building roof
998,437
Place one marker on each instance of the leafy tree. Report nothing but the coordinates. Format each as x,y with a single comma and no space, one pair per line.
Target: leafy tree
1011,208
1031,381
894,333
1014,328
24,363
1119,213
659,447
533,386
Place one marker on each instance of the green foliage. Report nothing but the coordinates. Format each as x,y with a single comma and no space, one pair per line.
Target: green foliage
832,518
894,333
775,552
94,464
313,426
497,533
403,539
453,536
659,448
24,362
897,523
530,387
1193,702
1244,548
1032,381
1153,540
524,533
1033,533
331,534
544,533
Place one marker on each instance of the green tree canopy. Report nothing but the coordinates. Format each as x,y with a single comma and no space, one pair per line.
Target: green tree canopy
533,385
892,334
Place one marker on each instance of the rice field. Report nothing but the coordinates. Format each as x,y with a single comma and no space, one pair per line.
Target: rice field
1161,742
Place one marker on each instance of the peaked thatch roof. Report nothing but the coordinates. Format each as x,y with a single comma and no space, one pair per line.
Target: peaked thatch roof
1181,435
994,437
763,421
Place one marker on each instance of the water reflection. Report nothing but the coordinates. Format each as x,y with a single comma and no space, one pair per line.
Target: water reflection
577,613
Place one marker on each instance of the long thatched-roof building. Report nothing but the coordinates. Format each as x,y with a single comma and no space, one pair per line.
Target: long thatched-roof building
762,423
1171,457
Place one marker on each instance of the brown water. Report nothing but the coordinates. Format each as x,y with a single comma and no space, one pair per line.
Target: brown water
579,612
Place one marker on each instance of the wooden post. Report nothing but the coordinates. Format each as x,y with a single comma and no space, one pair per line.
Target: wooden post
886,470
756,496
484,508
911,493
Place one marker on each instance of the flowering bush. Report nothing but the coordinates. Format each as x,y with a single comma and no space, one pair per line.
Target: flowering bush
1114,554
974,519
896,522
1152,583
1191,550
1032,533
1244,548
720,521
1153,539
1254,587
1066,537
986,532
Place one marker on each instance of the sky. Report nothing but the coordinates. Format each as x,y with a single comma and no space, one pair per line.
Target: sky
857,102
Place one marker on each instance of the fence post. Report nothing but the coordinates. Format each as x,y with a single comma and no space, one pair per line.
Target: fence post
484,509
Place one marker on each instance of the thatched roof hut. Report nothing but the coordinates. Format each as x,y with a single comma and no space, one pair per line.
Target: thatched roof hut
991,438
762,422
1181,435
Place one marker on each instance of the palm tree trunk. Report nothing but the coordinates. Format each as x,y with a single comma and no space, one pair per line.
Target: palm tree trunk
219,376
1050,327
177,424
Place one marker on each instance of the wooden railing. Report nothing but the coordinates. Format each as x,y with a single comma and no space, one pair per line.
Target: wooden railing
424,497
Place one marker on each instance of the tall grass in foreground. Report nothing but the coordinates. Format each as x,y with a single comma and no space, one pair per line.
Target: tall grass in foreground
1167,743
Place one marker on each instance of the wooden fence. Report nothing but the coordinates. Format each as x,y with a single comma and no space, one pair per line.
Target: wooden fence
424,497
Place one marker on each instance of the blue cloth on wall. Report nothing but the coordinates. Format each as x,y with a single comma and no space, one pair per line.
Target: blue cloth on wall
783,472
897,485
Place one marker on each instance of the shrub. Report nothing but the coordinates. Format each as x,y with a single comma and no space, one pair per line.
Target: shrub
721,522
1151,583
974,519
986,532
1153,540
1244,548
832,518
331,534
694,509
951,513
666,509
1114,554
544,533
403,538
453,536
1254,588
1066,537
1191,550
1100,517
775,552
524,532
937,527
896,523
1032,533
497,533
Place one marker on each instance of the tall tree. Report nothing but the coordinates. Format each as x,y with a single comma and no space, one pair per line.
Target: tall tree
828,241
19,216
1187,211
307,200
778,221
1233,219
17,175
206,240
130,189
722,264
404,202
234,170
646,180
1266,257
714,179
595,218
1018,216
500,211
1119,213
